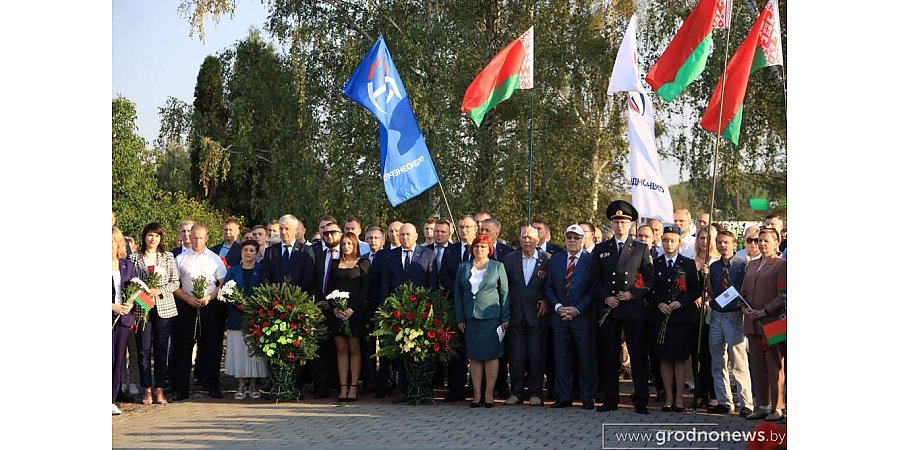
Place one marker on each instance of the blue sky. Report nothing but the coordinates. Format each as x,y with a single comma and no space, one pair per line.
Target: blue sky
153,56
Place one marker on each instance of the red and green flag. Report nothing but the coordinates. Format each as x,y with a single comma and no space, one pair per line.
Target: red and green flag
776,331
761,48
685,57
145,301
510,69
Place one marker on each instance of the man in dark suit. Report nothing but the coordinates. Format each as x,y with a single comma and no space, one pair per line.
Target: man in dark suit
289,262
441,231
622,276
230,247
323,366
184,233
451,258
408,263
544,237
568,291
526,270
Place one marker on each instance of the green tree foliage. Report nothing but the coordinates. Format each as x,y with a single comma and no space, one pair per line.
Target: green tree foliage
297,145
209,120
137,199
173,172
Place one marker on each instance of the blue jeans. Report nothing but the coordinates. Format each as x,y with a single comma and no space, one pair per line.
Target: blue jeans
155,338
726,342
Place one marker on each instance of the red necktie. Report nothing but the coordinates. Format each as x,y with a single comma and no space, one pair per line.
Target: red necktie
570,269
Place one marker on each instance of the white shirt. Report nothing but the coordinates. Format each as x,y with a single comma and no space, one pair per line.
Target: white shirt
688,247
117,282
591,248
192,265
475,279
528,265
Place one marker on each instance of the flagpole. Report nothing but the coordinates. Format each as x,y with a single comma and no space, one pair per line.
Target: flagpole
452,221
531,121
712,194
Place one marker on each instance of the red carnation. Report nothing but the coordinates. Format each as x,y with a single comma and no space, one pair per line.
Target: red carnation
428,305
410,316
436,322
270,313
638,280
291,356
424,314
293,326
413,298
431,334
436,347
275,303
290,307
397,314
260,311
265,324
396,329
151,269
682,285
443,338
297,343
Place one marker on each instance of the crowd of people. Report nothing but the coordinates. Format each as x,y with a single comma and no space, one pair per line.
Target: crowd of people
539,322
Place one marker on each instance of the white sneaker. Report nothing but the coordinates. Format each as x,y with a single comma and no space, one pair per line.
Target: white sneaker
133,389
116,410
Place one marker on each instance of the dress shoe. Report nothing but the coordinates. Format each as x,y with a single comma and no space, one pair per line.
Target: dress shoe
718,409
133,389
759,413
474,404
512,400
559,404
535,401
644,410
745,411
180,396
587,405
774,416
215,393
450,398
400,398
607,407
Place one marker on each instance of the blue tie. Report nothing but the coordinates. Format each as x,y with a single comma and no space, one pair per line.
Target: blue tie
286,256
406,264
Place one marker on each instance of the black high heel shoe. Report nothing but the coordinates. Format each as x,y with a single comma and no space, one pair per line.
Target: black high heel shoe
678,409
349,398
343,399
666,409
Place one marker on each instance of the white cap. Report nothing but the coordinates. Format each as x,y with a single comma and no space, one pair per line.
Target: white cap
575,228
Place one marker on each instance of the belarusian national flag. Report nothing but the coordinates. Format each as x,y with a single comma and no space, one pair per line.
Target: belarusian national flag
685,57
776,331
761,48
145,301
510,69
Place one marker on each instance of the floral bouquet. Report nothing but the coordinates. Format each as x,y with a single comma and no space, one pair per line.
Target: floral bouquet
638,283
200,285
133,291
679,285
415,324
283,325
339,299
154,279
230,293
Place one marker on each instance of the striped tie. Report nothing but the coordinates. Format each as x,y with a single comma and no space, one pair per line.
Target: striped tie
570,269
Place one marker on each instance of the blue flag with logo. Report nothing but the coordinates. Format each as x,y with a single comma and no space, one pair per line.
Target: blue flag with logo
406,166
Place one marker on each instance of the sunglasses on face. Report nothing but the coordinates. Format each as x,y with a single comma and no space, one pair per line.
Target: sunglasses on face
753,240
332,232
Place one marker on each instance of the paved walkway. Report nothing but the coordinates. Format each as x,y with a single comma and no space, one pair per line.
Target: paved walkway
204,422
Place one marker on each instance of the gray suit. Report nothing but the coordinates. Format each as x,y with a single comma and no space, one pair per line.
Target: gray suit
527,331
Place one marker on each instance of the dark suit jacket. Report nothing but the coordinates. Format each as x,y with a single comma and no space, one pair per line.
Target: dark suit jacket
553,249
299,271
247,287
177,250
126,271
579,290
500,252
233,257
319,277
492,299
664,288
523,299
419,272
449,265
612,271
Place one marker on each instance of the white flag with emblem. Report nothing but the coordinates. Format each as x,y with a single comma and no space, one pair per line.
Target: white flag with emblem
649,192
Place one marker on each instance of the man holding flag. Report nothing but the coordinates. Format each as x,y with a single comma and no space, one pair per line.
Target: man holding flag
406,166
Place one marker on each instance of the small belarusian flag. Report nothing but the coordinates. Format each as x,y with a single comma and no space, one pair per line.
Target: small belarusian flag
510,69
761,48
145,301
776,331
685,57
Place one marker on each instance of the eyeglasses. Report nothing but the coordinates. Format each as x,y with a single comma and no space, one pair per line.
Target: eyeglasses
752,240
574,238
332,232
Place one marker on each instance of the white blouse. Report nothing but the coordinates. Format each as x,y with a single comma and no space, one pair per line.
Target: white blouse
117,282
475,279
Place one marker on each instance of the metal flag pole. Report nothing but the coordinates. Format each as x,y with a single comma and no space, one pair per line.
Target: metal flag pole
449,212
531,122
712,194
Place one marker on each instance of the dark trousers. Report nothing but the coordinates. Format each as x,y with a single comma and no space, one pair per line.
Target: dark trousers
582,341
527,344
635,337
550,363
154,339
703,380
387,369
369,371
119,338
182,347
324,367
212,333
457,371
652,358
